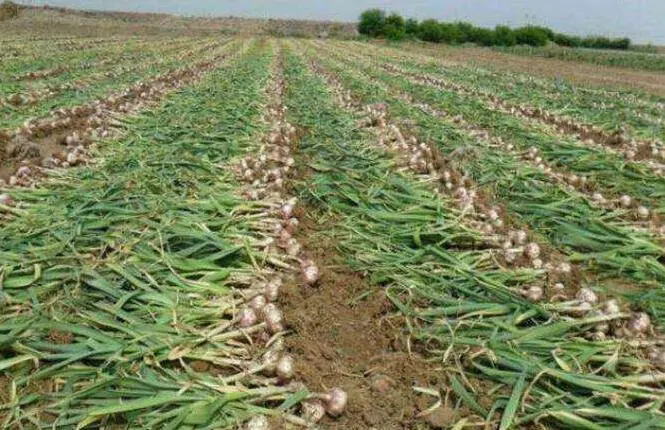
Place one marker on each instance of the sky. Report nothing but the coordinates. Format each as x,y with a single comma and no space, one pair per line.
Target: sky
641,20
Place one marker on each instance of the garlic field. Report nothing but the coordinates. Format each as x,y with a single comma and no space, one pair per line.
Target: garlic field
206,233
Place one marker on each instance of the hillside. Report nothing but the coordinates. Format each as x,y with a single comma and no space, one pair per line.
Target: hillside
55,21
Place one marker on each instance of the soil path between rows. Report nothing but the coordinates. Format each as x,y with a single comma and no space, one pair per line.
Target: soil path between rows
347,334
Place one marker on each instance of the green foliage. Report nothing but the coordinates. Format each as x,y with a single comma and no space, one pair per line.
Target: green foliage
466,31
482,36
395,27
532,36
372,23
599,42
504,36
548,32
566,40
430,31
411,27
452,33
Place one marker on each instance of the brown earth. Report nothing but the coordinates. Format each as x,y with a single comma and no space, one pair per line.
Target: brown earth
346,334
576,72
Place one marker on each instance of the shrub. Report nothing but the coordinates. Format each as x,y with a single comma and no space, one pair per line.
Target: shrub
547,31
623,43
566,40
532,36
372,23
449,33
395,27
411,27
504,36
483,36
466,31
599,42
430,31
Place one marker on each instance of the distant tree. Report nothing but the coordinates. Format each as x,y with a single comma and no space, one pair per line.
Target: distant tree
600,42
504,36
411,27
596,42
623,43
372,23
566,40
449,33
466,31
547,31
530,35
375,23
483,36
395,27
430,31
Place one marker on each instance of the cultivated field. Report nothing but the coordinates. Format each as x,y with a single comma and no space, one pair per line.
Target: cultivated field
206,232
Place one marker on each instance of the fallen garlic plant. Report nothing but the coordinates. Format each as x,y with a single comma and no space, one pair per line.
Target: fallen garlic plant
160,310
639,215
611,247
124,66
463,307
557,275
651,153
265,171
79,127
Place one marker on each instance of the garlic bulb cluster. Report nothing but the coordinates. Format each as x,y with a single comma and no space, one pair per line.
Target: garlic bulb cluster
265,173
588,134
424,159
259,422
6,200
310,272
332,403
77,127
534,293
616,324
587,295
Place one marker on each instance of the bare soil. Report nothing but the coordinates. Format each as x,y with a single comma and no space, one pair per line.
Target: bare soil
346,335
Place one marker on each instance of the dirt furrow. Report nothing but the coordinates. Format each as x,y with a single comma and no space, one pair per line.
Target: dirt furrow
267,172
346,332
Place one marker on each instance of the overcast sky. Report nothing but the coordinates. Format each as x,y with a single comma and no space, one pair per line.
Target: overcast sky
641,20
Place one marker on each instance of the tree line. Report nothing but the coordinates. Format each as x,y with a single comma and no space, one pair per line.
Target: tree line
376,23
